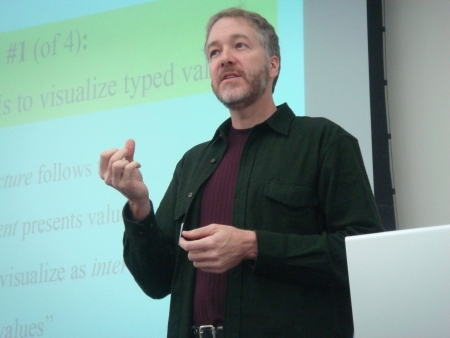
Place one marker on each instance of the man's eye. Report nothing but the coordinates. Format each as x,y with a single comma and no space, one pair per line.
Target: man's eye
240,45
212,53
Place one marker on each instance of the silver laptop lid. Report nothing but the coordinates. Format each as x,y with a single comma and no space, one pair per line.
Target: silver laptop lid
400,283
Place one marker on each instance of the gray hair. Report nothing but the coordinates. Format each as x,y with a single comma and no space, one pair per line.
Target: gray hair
264,31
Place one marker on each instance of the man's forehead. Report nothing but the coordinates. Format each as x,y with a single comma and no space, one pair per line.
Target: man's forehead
230,27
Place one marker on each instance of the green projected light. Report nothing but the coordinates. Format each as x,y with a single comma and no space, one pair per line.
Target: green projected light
113,59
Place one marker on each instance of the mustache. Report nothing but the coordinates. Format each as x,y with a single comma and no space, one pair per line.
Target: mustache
230,69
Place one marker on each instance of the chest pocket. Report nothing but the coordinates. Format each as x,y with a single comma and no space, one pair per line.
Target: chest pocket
292,194
292,207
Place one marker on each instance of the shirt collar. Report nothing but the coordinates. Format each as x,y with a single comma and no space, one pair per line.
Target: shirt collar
279,121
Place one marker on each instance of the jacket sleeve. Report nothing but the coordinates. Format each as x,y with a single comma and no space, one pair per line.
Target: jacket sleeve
150,245
346,207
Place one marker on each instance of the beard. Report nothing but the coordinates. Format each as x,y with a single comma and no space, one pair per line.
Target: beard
234,98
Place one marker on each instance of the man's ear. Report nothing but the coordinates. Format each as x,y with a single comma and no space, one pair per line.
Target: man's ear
274,66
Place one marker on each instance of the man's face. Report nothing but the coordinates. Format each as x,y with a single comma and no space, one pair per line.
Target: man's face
238,63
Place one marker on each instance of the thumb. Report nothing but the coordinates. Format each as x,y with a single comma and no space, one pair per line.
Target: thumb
130,145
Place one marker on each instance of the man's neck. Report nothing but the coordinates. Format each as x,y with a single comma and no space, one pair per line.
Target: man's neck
254,114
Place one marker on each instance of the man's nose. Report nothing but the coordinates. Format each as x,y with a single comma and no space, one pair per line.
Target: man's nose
227,57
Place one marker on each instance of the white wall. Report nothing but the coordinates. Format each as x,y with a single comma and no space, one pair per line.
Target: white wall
418,73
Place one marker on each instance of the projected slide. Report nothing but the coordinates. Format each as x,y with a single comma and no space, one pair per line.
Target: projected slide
79,79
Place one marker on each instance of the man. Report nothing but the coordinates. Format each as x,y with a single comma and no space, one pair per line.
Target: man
249,237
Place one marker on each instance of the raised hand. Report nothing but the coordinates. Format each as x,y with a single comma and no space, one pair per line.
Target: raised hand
119,170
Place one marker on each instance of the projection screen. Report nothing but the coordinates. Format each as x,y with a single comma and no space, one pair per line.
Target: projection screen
77,78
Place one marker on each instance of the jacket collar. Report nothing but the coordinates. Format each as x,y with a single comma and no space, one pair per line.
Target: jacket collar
279,122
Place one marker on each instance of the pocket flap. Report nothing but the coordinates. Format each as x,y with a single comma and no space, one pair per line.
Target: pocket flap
292,194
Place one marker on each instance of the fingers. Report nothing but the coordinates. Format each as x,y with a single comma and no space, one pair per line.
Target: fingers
104,161
195,245
209,261
128,170
130,145
198,233
202,254
222,247
115,160
201,239
108,157
117,172
122,173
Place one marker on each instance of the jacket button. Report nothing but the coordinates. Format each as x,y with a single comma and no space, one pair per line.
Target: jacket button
190,195
213,160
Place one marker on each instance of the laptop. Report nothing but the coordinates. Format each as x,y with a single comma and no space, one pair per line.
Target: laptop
400,283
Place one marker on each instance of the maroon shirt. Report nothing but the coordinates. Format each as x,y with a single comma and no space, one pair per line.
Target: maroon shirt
217,207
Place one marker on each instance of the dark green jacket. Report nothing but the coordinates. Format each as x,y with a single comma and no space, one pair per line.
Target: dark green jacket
303,188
